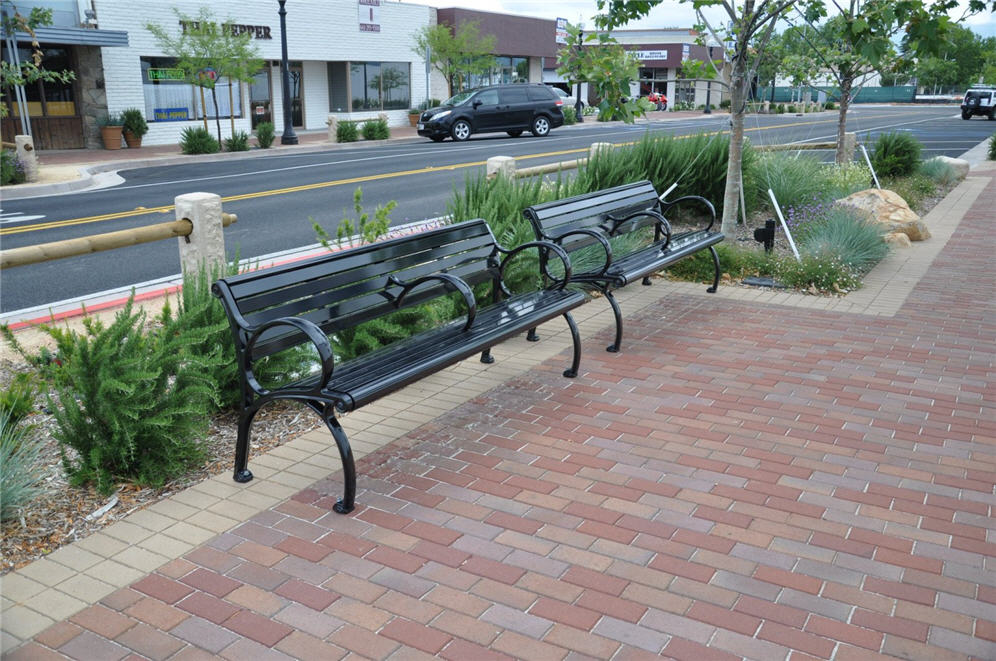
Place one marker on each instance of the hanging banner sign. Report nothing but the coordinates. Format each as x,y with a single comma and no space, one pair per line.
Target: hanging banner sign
369,14
209,73
561,32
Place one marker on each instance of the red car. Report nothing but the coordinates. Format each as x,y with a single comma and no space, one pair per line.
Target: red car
658,99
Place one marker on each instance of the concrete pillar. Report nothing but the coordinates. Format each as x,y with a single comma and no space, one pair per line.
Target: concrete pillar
597,147
331,123
29,157
850,144
501,166
206,242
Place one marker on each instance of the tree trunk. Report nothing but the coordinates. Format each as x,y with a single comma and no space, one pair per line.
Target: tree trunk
204,108
734,169
231,105
845,100
217,119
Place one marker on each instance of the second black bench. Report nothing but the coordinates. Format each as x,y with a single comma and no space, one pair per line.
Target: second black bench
278,308
595,218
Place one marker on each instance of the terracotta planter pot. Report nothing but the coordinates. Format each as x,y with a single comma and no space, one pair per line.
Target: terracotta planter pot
111,136
413,119
132,140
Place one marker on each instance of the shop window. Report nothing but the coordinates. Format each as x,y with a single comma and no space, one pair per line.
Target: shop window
169,98
47,99
379,85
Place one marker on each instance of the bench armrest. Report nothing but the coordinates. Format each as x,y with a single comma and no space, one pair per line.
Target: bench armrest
309,329
598,236
549,246
663,226
695,198
447,279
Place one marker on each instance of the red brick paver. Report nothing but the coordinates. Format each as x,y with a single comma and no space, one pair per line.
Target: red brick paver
740,481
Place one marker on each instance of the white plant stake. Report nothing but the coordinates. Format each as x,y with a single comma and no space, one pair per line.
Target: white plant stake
778,210
668,191
868,161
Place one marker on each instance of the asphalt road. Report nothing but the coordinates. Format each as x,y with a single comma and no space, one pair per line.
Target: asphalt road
277,198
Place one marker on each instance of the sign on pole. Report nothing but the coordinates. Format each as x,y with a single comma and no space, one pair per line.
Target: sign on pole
561,32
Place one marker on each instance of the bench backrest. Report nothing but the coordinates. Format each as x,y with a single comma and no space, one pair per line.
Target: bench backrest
552,219
343,289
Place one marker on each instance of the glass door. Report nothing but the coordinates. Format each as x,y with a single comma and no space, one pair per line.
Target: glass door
297,106
260,98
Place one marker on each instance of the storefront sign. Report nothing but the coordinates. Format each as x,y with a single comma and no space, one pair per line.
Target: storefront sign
166,74
254,31
170,114
369,14
561,31
650,54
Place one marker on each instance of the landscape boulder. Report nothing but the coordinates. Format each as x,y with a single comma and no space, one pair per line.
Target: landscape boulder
889,210
959,165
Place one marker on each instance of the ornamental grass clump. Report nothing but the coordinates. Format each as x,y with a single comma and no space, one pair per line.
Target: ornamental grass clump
843,235
134,403
198,141
896,154
20,454
940,172
794,181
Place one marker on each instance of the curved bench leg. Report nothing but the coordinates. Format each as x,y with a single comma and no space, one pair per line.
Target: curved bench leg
715,261
614,347
532,336
486,356
347,504
576,337
242,472
646,281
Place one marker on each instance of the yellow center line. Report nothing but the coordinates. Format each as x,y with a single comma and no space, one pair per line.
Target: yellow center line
343,182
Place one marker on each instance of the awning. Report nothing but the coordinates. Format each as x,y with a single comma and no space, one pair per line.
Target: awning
76,36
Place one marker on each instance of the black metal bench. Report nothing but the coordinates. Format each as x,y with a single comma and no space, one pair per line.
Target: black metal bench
278,308
595,218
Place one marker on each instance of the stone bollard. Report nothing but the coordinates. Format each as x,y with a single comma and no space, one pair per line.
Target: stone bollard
29,157
331,122
766,107
597,147
206,242
382,116
501,166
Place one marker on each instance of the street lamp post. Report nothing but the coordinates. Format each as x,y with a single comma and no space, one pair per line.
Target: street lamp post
578,108
288,137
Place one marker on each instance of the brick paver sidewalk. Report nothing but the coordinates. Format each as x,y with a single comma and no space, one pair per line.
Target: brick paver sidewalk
742,480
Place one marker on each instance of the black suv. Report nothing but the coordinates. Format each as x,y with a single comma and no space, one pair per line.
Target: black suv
509,108
979,101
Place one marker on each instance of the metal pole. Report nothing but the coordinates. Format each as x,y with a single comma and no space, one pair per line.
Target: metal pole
578,108
708,110
288,137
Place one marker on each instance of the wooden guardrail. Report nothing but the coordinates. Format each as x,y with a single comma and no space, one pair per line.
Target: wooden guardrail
45,252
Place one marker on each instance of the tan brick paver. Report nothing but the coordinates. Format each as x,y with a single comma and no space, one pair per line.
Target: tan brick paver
756,474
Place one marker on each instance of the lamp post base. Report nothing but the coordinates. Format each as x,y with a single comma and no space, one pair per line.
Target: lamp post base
290,139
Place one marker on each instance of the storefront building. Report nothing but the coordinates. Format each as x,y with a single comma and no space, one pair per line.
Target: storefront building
350,58
661,54
60,115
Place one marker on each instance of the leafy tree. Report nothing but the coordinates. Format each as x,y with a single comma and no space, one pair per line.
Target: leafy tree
457,53
753,25
607,67
859,37
32,70
203,45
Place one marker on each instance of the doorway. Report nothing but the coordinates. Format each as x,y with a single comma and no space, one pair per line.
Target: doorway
296,71
260,98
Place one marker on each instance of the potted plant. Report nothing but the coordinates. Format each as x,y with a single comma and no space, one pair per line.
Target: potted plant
413,115
110,131
134,127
